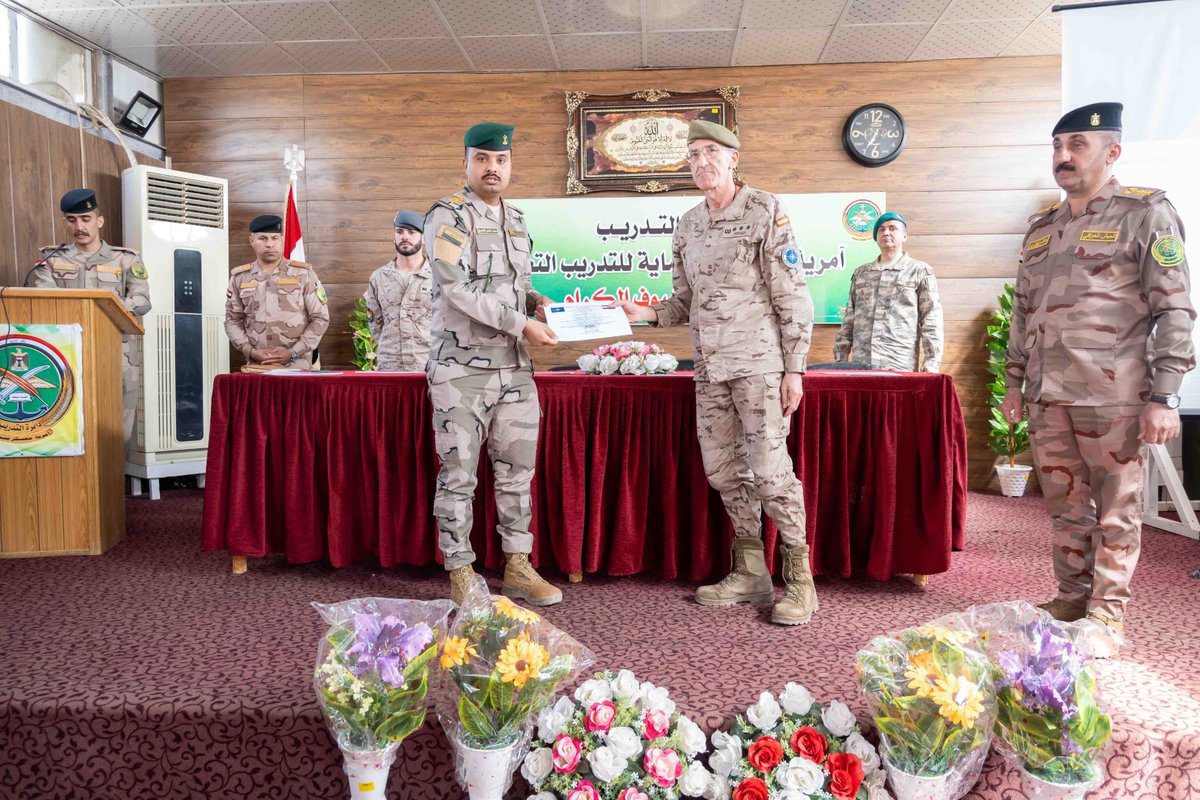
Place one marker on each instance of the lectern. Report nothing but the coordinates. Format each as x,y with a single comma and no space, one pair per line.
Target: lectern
71,505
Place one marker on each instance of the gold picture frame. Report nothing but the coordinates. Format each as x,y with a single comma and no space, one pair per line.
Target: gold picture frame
637,142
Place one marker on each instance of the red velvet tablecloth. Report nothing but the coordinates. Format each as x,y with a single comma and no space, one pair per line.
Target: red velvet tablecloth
343,467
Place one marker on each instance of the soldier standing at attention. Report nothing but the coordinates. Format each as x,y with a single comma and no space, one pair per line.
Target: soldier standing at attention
737,280
480,375
275,311
89,262
1100,275
893,311
398,300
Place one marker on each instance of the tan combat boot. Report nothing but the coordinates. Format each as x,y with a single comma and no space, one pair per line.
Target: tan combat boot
522,582
799,599
460,581
747,582
1064,610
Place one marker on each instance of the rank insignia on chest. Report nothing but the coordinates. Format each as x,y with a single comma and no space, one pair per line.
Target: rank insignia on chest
1036,243
248,285
1099,236
1167,251
738,229
289,282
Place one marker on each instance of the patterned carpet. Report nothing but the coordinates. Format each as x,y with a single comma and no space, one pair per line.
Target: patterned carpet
151,672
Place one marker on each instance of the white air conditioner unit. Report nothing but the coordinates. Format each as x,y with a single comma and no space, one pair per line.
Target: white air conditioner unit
179,223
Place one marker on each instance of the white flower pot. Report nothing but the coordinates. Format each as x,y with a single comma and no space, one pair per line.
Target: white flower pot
907,786
1043,789
1013,479
487,774
367,771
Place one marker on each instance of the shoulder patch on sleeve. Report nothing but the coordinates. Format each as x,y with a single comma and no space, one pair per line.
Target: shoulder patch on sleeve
138,271
782,220
324,298
241,269
1167,250
449,244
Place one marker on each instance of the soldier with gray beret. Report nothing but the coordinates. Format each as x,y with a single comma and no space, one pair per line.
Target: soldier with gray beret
398,300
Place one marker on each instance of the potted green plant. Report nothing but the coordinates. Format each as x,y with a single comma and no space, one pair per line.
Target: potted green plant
1004,438
365,354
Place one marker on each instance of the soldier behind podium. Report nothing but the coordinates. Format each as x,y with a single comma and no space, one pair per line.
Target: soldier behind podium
480,375
89,262
398,299
275,309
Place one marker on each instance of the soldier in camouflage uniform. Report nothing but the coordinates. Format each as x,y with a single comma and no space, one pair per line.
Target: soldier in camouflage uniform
398,300
480,375
1100,275
893,310
88,262
275,309
737,281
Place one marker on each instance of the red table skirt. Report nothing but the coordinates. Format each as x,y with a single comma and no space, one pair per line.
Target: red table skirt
343,467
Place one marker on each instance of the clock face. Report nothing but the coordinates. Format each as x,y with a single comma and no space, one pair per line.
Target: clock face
874,134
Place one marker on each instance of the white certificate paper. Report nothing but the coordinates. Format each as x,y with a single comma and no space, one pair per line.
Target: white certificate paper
573,322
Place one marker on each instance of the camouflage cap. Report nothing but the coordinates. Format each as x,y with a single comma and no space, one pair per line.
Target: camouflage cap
1093,117
78,201
489,136
703,129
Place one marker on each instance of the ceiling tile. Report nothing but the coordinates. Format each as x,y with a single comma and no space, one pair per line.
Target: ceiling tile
174,61
873,12
679,15
774,15
201,24
963,10
691,48
968,39
589,16
873,43
352,55
1042,38
44,6
509,52
421,55
249,59
600,51
782,46
295,22
385,19
135,3
485,18
110,28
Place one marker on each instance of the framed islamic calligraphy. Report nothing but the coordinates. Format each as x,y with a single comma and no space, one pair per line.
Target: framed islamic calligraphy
638,142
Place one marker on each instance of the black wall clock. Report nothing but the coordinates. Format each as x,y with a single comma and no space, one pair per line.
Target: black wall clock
874,134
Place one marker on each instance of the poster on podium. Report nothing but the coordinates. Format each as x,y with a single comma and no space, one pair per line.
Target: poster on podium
41,403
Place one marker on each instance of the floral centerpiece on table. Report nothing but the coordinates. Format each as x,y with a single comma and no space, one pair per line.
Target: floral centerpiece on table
793,748
628,358
366,352
620,740
931,693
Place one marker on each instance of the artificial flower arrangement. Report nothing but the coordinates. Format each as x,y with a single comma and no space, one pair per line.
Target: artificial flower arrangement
372,676
931,693
366,351
504,664
793,748
620,740
628,358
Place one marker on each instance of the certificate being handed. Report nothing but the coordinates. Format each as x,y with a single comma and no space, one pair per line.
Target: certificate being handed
573,322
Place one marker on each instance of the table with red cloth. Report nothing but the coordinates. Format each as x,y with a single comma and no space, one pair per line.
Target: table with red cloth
343,467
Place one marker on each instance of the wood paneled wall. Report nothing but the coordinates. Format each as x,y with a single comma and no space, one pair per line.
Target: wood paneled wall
40,160
976,165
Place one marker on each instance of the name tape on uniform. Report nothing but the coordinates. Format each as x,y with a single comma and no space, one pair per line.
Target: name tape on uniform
1036,243
1099,236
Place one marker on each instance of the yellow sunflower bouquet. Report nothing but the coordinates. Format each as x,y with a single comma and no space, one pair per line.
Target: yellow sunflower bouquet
931,693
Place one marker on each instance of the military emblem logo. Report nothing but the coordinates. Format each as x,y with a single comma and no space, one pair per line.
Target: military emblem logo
1167,251
1095,120
36,387
859,219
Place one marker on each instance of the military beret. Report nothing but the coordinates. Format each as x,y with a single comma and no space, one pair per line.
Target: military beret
1094,117
884,218
267,223
703,129
409,219
489,136
78,201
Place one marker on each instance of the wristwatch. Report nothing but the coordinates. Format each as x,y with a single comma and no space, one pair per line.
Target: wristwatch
296,357
1168,400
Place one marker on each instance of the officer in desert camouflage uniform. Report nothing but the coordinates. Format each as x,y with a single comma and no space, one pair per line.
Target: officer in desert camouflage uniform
398,300
1100,275
88,262
893,311
737,281
480,375
275,311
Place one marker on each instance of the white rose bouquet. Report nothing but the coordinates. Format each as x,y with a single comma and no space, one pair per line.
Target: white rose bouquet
628,358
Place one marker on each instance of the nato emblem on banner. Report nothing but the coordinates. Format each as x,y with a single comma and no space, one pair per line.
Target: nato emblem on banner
40,413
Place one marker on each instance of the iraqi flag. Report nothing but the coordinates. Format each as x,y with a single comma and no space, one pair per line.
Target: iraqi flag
293,237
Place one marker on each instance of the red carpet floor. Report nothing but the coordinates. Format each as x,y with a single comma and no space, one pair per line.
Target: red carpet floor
151,672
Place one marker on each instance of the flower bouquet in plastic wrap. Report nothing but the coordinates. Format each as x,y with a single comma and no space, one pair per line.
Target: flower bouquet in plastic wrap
619,740
931,692
792,747
371,677
504,664
628,358
1050,715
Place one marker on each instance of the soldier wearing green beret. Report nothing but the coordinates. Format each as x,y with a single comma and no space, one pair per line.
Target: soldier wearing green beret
480,374
89,262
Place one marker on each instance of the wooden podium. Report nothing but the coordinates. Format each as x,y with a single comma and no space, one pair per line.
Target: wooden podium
71,505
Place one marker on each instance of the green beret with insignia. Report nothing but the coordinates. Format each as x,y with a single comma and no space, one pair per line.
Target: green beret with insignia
703,129
78,201
1093,117
896,215
266,223
489,136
